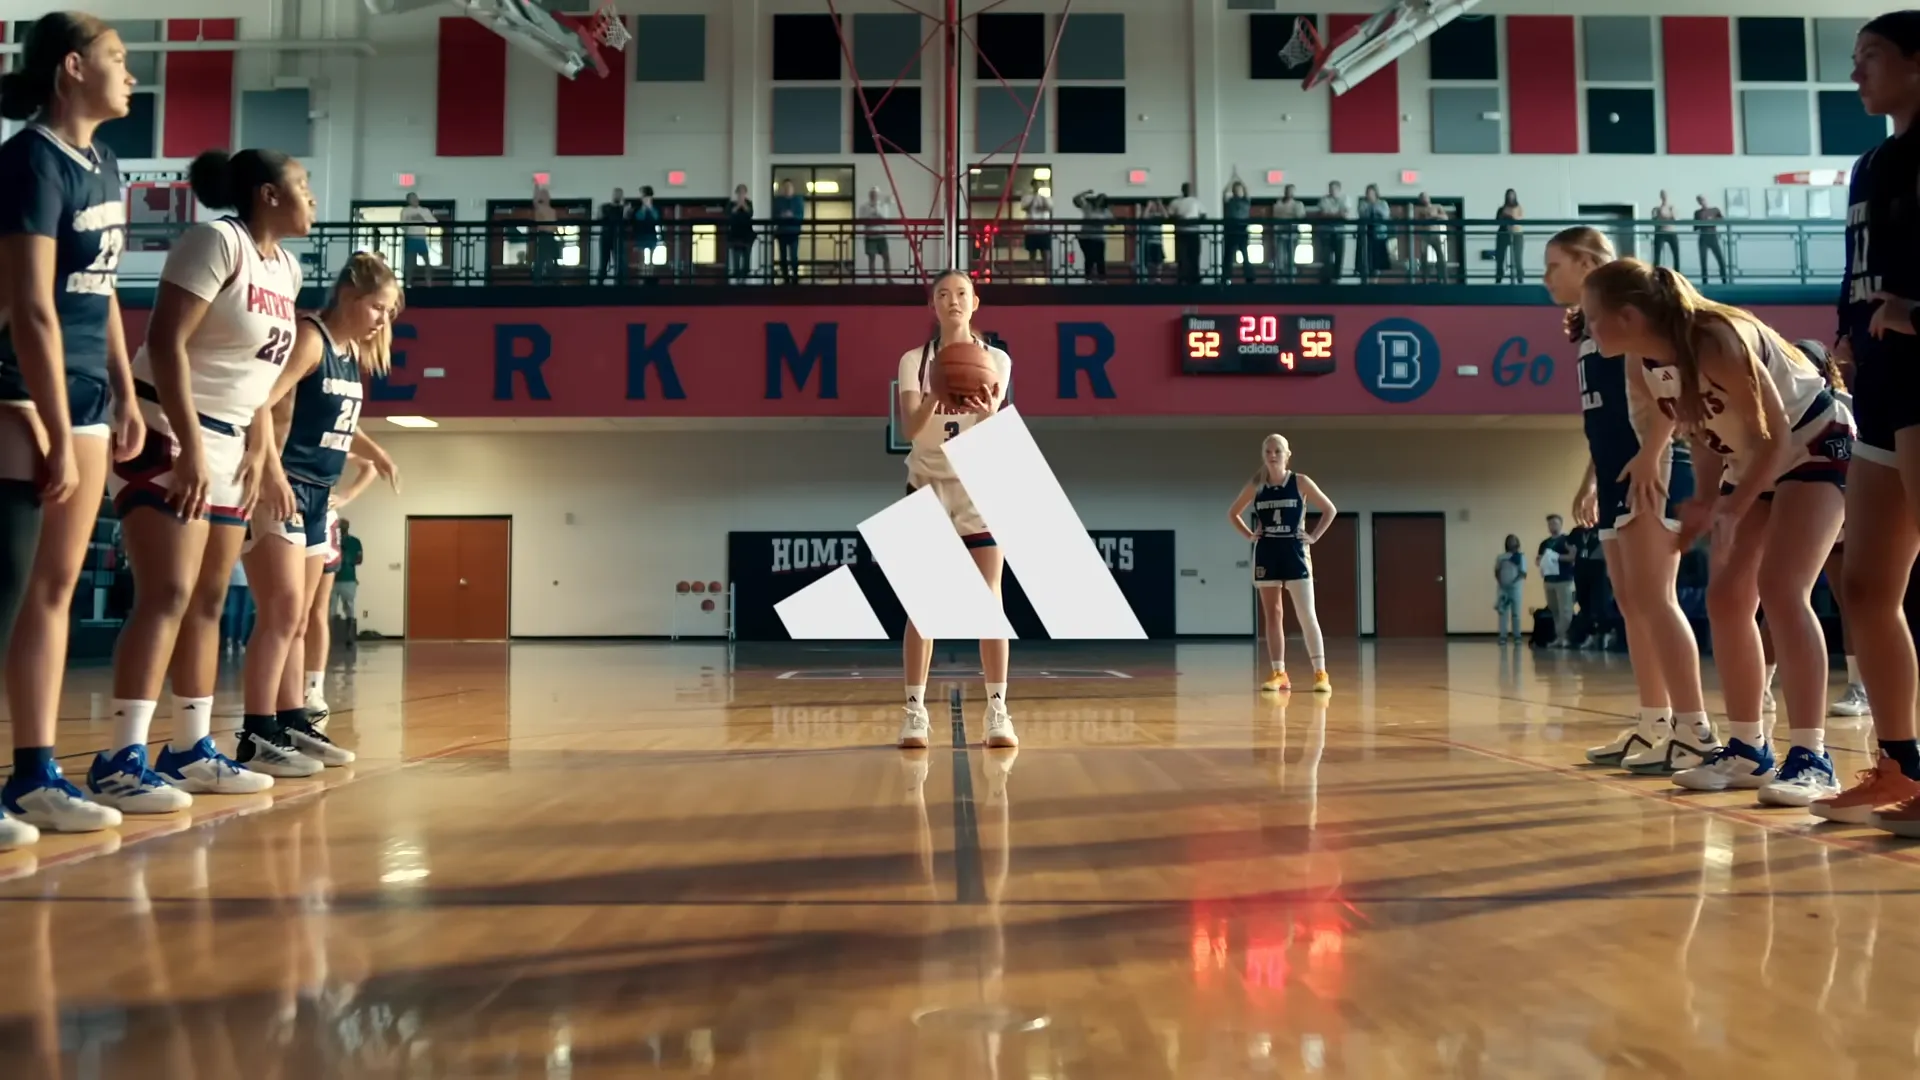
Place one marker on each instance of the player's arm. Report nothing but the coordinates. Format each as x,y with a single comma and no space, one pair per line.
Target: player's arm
1726,360
1317,499
916,408
374,454
1238,514
363,475
119,363
197,267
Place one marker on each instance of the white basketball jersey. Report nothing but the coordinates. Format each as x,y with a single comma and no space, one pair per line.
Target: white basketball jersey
246,336
1798,382
928,458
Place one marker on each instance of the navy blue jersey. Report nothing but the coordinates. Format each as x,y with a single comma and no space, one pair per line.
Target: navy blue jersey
1883,239
1278,510
50,189
326,413
1612,437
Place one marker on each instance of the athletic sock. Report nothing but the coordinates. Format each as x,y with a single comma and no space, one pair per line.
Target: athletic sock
997,692
1906,752
192,721
315,680
297,717
31,760
1650,716
1853,671
1695,726
917,695
131,721
1319,662
265,725
1746,733
1812,739
1279,667
1771,668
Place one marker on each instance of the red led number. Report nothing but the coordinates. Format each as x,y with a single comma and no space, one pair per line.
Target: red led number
1316,344
1259,329
1203,344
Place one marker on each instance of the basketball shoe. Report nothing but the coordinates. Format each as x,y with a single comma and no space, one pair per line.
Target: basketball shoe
45,800
124,782
314,743
1634,740
1322,684
1804,777
1882,785
1735,765
317,711
1277,683
1851,703
1000,734
203,770
15,833
275,755
1681,749
916,728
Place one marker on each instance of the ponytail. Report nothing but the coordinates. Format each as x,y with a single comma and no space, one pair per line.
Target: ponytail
30,90
232,182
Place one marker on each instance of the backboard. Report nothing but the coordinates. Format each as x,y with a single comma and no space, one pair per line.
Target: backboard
1354,55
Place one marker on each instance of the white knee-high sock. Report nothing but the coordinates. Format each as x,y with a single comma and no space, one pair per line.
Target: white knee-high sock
1302,594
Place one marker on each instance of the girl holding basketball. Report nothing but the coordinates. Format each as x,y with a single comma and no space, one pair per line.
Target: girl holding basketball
1279,497
1765,423
933,416
1622,422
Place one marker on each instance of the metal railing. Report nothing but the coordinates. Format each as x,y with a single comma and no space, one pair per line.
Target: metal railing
1395,251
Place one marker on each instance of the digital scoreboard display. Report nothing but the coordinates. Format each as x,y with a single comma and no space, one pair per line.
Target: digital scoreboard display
1256,344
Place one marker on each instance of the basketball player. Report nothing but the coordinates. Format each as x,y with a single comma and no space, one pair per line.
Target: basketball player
929,423
1854,701
317,638
317,401
65,377
1876,333
1763,421
1279,497
1641,558
222,328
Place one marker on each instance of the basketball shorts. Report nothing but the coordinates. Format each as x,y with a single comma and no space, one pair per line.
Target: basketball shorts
333,542
308,525
960,509
1278,560
1615,513
146,479
1886,398
89,399
1822,460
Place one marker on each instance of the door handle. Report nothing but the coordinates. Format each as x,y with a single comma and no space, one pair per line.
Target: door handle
463,583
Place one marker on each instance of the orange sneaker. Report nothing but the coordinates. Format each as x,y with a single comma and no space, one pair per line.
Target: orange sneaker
1882,785
1901,820
1277,682
1322,684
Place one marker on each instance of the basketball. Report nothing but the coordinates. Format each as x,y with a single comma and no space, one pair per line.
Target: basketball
965,370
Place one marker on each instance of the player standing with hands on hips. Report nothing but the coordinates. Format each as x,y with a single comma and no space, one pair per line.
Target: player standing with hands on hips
934,414
1279,497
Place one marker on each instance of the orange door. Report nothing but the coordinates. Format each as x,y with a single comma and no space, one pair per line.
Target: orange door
459,572
1409,575
1336,579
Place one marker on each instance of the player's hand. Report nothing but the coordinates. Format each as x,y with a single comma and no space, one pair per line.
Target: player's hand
59,472
189,481
276,497
1842,351
1646,487
384,468
253,467
1696,516
1893,316
981,403
1586,507
129,430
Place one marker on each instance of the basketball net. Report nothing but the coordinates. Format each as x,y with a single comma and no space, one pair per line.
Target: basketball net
609,29
1304,46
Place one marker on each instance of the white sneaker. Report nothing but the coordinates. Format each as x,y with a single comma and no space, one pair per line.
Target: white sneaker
124,781
15,833
315,744
1767,703
49,802
203,770
317,711
916,729
1629,742
1675,753
1804,778
1000,734
1735,765
275,758
1852,703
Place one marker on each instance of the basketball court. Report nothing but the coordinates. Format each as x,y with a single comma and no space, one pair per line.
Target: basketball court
618,860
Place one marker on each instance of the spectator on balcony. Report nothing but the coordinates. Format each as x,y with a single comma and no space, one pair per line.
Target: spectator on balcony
1237,211
613,239
1331,237
877,213
546,234
1095,219
417,219
1150,246
1187,214
740,235
1429,240
1666,237
1038,208
789,211
1508,240
1710,241
646,234
1372,254
1285,237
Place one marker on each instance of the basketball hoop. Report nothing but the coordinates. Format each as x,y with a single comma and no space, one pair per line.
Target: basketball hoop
1304,47
609,28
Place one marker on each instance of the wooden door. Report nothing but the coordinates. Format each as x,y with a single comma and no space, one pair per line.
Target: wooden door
459,576
1336,579
1409,575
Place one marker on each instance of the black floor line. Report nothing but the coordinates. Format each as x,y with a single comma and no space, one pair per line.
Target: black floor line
968,881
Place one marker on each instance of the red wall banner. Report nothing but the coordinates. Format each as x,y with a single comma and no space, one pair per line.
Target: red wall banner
788,361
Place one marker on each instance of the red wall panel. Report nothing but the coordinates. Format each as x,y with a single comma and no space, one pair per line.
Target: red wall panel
590,112
1697,57
198,103
470,108
1543,101
1366,119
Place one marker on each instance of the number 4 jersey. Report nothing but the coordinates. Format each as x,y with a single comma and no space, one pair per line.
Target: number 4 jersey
326,413
246,335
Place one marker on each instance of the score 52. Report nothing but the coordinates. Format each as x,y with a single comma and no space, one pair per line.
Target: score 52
1203,344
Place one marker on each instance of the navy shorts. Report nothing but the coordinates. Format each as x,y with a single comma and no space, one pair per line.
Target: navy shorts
1278,560
89,400
308,525
1886,398
1614,511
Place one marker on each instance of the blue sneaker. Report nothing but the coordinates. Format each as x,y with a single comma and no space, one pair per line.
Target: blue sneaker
1805,777
203,770
47,801
1734,765
124,782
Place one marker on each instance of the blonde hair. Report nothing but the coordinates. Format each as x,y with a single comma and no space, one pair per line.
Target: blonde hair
1681,316
1588,243
368,272
1260,474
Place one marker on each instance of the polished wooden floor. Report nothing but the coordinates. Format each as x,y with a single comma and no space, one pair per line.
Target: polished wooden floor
638,860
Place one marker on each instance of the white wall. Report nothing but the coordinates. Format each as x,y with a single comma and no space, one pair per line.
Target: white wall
653,508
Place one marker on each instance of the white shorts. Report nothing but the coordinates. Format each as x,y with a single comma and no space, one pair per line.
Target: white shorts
144,480
960,509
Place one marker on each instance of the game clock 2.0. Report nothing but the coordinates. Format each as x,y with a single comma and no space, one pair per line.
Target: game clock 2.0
1256,344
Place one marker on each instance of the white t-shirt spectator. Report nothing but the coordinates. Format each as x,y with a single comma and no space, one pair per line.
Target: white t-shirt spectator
873,215
417,218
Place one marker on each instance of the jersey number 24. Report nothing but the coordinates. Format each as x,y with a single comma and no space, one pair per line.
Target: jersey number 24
349,420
